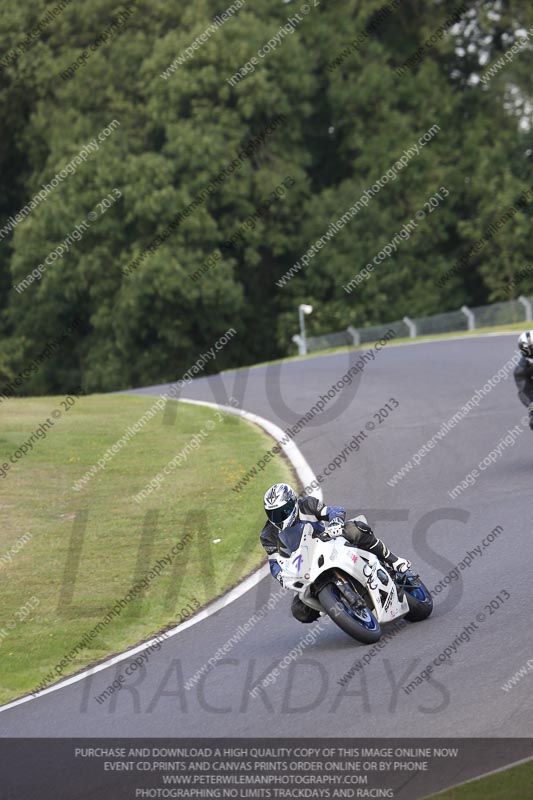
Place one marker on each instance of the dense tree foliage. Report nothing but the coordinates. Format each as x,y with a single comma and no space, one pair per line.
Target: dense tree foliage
216,187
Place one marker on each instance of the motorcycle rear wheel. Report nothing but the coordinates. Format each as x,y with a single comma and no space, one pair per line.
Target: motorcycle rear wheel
419,600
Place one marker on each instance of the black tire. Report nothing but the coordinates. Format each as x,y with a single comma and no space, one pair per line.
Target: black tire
332,602
419,608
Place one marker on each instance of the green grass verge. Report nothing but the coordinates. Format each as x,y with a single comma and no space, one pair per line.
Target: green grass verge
76,573
512,784
518,326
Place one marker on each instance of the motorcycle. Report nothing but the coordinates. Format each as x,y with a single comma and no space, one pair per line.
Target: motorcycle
352,586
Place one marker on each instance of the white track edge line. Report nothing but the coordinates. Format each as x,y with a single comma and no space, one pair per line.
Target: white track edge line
305,474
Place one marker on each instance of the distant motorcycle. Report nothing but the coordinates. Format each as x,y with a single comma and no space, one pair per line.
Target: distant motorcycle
357,590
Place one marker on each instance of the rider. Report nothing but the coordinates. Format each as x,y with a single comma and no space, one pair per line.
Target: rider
523,373
286,512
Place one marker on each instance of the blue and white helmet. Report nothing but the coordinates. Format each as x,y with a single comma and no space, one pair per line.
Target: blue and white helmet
525,344
281,505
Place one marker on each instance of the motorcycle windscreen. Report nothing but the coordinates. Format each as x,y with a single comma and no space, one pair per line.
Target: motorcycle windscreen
291,537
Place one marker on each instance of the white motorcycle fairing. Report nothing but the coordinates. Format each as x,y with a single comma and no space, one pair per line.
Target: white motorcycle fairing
315,557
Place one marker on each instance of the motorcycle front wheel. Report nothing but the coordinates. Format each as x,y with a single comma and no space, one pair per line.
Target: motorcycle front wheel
357,621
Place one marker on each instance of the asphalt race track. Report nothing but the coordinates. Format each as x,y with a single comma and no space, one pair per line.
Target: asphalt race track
417,518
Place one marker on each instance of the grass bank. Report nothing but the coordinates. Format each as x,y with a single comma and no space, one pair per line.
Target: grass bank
67,557
512,783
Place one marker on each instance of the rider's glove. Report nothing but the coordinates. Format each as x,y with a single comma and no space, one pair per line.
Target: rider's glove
335,527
